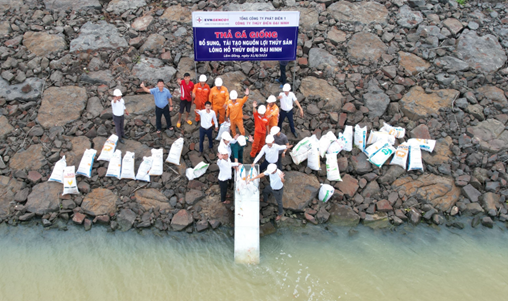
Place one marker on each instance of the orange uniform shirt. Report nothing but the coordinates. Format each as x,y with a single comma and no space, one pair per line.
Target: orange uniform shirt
274,112
219,97
260,123
201,92
235,110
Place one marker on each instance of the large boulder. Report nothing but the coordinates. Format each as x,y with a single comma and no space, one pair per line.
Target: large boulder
98,36
417,104
30,159
30,89
177,13
439,191
365,47
100,201
309,17
299,190
125,219
494,93
348,186
181,220
101,77
8,189
44,198
318,57
43,43
121,6
343,216
379,220
375,100
152,198
154,42
213,209
139,104
441,153
491,135
5,127
484,53
63,5
451,64
412,63
79,145
151,69
363,12
61,105
408,18
320,88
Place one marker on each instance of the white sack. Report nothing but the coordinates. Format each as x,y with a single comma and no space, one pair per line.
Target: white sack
360,137
58,170
300,152
128,166
325,142
397,132
348,138
337,146
109,148
380,157
175,152
326,192
144,169
372,149
157,162
70,185
85,166
332,168
415,157
313,159
400,157
196,172
425,144
224,127
115,165
380,136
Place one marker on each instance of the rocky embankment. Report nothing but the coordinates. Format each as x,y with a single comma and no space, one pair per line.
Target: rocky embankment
436,68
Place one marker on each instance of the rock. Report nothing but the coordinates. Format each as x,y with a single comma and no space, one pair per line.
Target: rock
322,216
383,206
98,36
139,104
376,221
495,94
412,63
249,6
102,77
5,127
439,191
414,217
45,198
5,28
309,17
375,100
154,42
177,13
320,57
78,218
120,6
151,69
490,201
94,107
8,189
193,196
125,219
365,47
473,209
142,23
361,164
201,225
320,88
214,224
30,159
451,64
336,36
62,5
181,220
371,190
441,154
42,43
266,229
152,198
27,216
481,53
363,12
234,81
79,145
348,186
417,104
453,25
186,65
487,222
310,218
299,190
29,90
61,105
420,132
343,216
100,201
491,135
408,18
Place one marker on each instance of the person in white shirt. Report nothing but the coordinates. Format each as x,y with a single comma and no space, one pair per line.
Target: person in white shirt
207,116
276,187
287,99
271,152
226,141
225,173
118,109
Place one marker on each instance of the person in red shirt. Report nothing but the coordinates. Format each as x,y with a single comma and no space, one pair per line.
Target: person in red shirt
200,93
186,87
260,128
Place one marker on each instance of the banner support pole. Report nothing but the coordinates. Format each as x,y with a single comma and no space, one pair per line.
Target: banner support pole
196,71
294,77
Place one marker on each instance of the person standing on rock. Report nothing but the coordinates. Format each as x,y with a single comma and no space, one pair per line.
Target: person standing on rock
219,97
271,153
186,87
276,186
235,111
272,112
238,145
200,93
287,99
118,109
280,139
208,119
163,104
260,128
225,165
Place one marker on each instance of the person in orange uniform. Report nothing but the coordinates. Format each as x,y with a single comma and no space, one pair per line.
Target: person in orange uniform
260,128
219,97
200,93
272,112
235,111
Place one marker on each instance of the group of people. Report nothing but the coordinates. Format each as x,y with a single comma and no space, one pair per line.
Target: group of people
214,106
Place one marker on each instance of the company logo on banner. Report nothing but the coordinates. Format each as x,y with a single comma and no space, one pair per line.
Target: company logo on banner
245,36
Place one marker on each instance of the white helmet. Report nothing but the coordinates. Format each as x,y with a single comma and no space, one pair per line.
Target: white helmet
202,78
218,82
117,92
269,139
274,130
226,136
241,140
262,109
233,95
286,88
271,99
271,168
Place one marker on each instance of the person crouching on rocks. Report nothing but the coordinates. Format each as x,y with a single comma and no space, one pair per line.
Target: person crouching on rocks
118,109
225,172
276,186
238,145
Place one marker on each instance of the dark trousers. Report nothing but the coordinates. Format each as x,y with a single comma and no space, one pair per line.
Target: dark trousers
118,120
277,194
223,190
158,116
283,77
208,133
289,115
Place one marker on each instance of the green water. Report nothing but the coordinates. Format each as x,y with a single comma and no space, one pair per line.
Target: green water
308,264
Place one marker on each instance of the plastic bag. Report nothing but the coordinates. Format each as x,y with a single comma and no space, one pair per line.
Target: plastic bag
360,137
144,169
371,150
58,170
332,168
336,146
425,144
115,165
85,166
347,136
224,127
109,148
175,152
70,185
301,151
380,157
325,192
325,142
380,136
313,159
196,172
400,157
157,162
253,172
397,132
415,157
128,166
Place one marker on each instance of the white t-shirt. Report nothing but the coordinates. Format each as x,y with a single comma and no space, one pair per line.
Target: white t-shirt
206,118
275,180
118,107
286,102
228,146
225,169
271,153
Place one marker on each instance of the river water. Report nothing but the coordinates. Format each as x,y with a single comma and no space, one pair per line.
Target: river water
311,263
